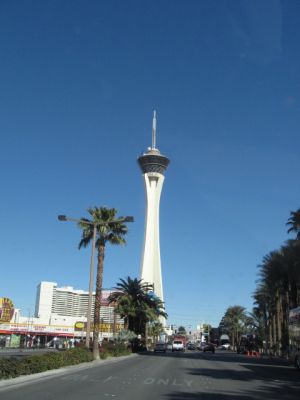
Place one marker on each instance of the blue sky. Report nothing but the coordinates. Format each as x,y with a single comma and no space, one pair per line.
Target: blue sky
79,82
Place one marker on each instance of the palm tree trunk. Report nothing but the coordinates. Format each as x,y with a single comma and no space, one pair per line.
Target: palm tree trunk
126,323
232,339
278,323
270,336
146,335
274,333
99,281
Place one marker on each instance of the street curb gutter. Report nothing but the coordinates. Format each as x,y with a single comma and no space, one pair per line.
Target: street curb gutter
20,380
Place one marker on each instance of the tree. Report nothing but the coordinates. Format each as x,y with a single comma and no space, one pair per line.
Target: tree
130,297
255,324
155,329
136,304
109,229
294,223
278,291
181,330
207,329
262,300
278,288
234,321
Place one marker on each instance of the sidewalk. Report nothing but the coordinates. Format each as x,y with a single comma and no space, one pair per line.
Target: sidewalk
20,380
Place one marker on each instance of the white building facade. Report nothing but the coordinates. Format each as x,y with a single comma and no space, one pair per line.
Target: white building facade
61,304
59,312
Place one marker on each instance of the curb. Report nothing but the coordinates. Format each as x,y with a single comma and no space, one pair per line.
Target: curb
20,380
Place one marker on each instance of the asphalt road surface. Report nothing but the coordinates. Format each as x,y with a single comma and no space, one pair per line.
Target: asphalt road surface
171,376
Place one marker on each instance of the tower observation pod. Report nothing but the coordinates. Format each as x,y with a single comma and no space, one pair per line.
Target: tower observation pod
153,165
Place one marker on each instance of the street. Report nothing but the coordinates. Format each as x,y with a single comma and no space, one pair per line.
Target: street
183,376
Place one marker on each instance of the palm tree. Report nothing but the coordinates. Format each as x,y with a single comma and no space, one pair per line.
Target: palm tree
155,329
109,229
294,223
255,324
234,320
273,279
279,290
262,310
129,297
136,304
279,287
181,330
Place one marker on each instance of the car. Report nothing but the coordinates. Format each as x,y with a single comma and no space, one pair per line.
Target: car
200,346
160,347
56,343
191,346
225,346
178,345
295,358
169,346
209,347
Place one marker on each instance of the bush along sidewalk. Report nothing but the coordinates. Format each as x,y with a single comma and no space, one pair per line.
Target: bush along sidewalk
12,368
114,349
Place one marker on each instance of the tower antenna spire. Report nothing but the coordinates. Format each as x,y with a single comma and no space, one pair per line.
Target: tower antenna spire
154,130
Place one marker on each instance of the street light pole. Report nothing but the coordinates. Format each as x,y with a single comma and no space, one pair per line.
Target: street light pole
91,280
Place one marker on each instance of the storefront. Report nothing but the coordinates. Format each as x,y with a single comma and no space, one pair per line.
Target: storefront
32,335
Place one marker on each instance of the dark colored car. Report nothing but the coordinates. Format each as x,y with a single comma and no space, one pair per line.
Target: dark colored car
209,347
191,346
160,347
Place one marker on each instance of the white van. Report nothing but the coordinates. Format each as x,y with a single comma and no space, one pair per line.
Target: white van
178,345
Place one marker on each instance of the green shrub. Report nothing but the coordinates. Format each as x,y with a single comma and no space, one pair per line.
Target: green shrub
54,360
11,368
35,364
120,349
104,355
77,356
114,349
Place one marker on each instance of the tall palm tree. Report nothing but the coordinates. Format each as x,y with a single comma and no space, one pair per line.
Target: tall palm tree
280,279
294,223
262,300
129,297
279,287
234,320
154,330
256,324
109,229
291,255
135,304
273,278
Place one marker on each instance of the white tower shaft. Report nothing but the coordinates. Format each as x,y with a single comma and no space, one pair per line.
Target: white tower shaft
153,165
150,262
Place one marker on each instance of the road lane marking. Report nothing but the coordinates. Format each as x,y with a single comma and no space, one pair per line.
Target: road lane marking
174,383
167,382
87,378
108,379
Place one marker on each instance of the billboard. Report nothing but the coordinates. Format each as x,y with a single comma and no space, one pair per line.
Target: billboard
36,329
6,310
103,327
